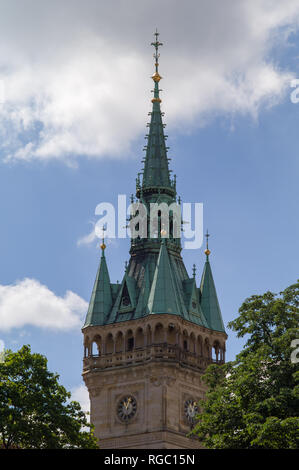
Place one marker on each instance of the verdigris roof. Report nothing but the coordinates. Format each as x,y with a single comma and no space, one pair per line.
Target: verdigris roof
101,298
209,301
156,281
158,284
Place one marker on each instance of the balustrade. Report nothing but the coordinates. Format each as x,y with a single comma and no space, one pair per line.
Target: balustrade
144,354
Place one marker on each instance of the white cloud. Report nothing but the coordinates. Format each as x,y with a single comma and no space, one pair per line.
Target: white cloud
30,303
80,394
89,238
76,74
96,236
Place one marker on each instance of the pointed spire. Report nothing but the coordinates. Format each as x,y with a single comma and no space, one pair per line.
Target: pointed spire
163,295
209,300
156,172
155,280
101,297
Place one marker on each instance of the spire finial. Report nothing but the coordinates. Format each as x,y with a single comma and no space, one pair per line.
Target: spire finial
156,45
156,77
207,251
103,246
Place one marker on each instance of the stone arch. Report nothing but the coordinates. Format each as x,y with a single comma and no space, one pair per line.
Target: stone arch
199,346
96,345
222,352
185,340
192,343
159,336
207,349
119,342
218,351
215,351
139,338
86,346
149,335
130,342
109,344
172,334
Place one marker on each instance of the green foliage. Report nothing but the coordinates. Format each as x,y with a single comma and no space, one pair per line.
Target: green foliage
35,411
253,402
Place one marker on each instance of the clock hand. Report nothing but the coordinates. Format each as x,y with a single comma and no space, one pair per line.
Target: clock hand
126,403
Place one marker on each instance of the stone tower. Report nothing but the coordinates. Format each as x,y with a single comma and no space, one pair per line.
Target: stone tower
148,340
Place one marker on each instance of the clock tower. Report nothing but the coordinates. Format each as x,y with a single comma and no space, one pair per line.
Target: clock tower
149,339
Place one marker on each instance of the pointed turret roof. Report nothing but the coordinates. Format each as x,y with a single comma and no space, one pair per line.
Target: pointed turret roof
209,300
156,174
101,298
163,296
193,303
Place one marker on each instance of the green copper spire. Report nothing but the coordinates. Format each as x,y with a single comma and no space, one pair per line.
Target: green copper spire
156,175
209,300
163,296
101,299
155,281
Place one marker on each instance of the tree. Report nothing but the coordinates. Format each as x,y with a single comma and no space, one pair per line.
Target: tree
253,402
35,410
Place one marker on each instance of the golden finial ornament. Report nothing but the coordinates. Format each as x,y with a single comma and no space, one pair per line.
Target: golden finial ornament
103,246
207,251
156,77
156,100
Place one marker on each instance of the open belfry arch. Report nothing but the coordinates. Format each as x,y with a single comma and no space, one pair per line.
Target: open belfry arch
149,339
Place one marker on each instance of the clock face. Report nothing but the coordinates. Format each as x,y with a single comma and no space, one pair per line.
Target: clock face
126,408
191,410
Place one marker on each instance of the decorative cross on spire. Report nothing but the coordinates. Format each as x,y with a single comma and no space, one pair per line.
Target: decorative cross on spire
156,77
103,246
207,237
156,45
207,251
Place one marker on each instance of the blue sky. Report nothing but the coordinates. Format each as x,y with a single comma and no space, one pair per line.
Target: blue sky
233,135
